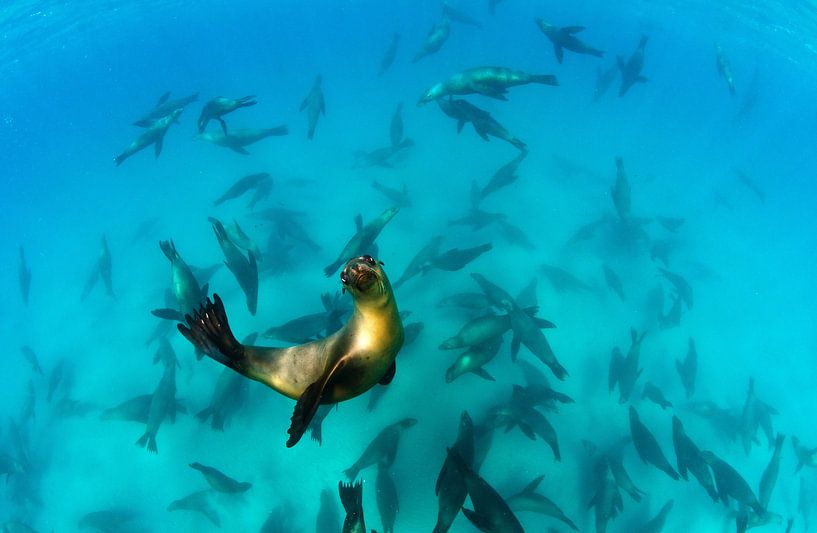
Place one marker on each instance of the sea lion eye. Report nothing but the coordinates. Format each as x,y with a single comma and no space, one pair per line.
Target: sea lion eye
343,277
369,259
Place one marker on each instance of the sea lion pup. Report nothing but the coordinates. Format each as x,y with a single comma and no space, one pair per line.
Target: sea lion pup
631,70
217,107
344,365
315,106
154,134
362,241
24,276
484,124
564,38
493,82
238,139
724,68
435,39
164,107
351,496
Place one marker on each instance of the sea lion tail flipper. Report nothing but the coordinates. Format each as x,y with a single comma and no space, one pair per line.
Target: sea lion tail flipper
544,79
149,442
351,497
209,331
307,406
480,522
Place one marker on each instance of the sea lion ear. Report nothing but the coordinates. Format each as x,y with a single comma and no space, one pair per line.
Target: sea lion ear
382,263
343,290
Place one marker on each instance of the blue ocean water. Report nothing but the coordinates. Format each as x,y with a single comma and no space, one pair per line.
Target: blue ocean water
738,169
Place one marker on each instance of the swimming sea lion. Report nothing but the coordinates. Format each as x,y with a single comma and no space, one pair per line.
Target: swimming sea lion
199,502
337,368
396,126
220,481
183,284
215,108
484,124
565,38
164,107
162,403
382,449
625,371
253,181
531,501
450,487
656,524
155,134
493,82
387,500
243,268
435,39
238,139
24,276
631,70
647,446
362,241
689,459
315,106
724,68
769,478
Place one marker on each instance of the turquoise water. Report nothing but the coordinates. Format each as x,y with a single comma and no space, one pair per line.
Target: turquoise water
75,76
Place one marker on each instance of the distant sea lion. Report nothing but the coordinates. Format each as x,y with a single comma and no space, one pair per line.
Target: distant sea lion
154,134
199,502
362,241
724,68
238,139
565,38
164,107
391,53
220,481
631,70
215,108
247,183
493,82
315,106
337,368
24,276
435,39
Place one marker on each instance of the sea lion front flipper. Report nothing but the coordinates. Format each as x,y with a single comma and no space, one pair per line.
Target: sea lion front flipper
209,331
560,54
157,148
307,405
483,374
479,521
168,314
240,150
223,125
389,375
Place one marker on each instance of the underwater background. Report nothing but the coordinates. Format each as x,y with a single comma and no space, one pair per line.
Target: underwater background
730,175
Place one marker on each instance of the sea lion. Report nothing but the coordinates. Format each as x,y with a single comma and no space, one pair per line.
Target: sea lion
247,183
337,368
162,404
631,70
620,192
625,371
689,459
381,157
450,487
565,38
389,55
102,270
362,241
184,285
656,524
382,449
199,502
769,478
688,368
504,176
805,456
228,397
491,512
647,446
562,280
672,318
31,357
215,108
114,519
457,15
155,135
484,124
493,82
327,520
396,125
435,39
388,503
478,219
238,139
531,501
24,276
539,394
724,68
351,496
137,410
607,498
655,395
457,258
245,269
315,106
220,481
398,197
164,107
681,285
530,421
613,281
604,79
473,359
731,484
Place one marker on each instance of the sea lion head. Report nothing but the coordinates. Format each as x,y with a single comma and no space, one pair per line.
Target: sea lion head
434,92
364,278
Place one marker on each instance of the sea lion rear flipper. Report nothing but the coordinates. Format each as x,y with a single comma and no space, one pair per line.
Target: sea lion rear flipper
389,375
240,150
560,54
163,99
307,406
479,521
491,92
483,374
